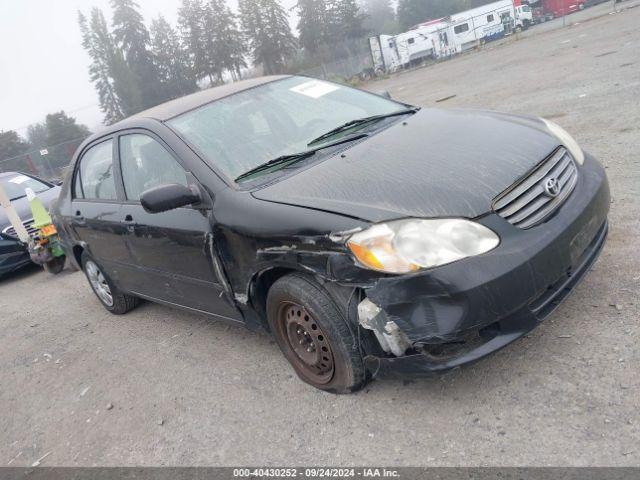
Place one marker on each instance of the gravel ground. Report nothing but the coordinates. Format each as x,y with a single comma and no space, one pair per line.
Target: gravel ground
161,387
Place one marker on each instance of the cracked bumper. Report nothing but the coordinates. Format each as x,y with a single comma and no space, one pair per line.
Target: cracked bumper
461,312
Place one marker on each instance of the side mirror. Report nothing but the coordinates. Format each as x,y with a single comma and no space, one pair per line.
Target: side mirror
385,94
168,197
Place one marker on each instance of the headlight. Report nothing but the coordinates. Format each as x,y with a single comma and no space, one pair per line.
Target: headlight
408,245
567,140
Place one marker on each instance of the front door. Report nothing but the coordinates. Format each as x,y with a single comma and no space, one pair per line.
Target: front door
170,251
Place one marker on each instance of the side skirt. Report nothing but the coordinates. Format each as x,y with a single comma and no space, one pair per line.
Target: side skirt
188,309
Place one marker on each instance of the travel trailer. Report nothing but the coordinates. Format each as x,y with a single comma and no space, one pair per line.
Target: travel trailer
390,53
450,35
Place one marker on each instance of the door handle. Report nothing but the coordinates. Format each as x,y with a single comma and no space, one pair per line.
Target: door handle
131,228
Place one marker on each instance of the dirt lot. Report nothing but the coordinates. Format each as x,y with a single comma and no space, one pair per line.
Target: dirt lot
188,391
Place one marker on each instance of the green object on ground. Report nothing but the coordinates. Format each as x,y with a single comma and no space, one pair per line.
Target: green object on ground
56,250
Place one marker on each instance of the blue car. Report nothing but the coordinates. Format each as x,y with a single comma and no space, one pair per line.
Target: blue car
13,253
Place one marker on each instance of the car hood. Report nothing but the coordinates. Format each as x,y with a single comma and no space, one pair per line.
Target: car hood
24,210
436,163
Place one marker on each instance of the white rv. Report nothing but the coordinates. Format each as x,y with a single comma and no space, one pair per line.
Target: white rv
448,36
390,53
482,24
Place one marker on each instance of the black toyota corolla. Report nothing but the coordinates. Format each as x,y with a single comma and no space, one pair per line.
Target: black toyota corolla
366,235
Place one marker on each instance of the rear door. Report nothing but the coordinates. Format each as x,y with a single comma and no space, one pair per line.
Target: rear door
171,251
96,207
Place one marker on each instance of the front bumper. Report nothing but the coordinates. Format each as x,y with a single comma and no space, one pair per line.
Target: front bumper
461,312
13,255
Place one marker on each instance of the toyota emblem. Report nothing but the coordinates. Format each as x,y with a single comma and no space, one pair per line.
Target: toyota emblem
551,187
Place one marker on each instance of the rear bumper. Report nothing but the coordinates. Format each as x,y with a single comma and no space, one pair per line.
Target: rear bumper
461,312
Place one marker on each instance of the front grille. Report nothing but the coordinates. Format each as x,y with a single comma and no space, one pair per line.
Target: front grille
534,199
28,224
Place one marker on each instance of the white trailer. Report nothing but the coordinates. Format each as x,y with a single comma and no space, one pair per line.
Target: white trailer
384,55
480,24
488,22
448,36
390,53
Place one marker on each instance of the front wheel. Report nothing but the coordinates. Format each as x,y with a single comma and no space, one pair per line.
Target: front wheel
109,295
314,336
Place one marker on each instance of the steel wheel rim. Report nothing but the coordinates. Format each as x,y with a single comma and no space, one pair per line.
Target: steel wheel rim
310,349
99,283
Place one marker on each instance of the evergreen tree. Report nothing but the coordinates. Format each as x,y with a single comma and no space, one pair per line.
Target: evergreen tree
37,136
334,23
344,21
60,135
98,43
132,37
224,43
172,61
312,24
61,128
379,17
266,26
412,12
57,128
191,24
11,145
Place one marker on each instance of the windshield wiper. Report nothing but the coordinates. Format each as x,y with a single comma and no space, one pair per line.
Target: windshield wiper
360,122
296,157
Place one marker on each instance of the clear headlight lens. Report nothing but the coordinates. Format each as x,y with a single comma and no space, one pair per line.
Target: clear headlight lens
405,246
566,139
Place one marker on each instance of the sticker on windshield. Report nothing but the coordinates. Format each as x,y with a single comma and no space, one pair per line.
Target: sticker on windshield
19,180
314,88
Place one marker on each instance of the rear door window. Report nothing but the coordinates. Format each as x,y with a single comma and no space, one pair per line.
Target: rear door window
94,179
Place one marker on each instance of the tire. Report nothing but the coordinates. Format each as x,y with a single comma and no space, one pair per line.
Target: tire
55,266
110,297
314,336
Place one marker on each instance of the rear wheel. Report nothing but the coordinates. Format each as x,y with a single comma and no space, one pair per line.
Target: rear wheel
314,336
109,295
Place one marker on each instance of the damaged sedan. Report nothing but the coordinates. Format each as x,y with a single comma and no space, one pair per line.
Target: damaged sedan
367,235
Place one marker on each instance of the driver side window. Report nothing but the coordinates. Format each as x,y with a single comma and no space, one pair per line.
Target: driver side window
147,164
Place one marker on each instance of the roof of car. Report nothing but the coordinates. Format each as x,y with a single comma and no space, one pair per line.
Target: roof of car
181,105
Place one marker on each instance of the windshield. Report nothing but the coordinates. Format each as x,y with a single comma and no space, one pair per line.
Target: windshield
14,186
245,130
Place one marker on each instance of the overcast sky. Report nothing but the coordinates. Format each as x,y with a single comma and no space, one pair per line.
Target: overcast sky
43,67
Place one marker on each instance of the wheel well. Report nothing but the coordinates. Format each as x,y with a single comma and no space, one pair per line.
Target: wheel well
260,288
77,254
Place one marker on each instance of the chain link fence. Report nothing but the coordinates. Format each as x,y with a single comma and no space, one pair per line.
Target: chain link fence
342,69
50,163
